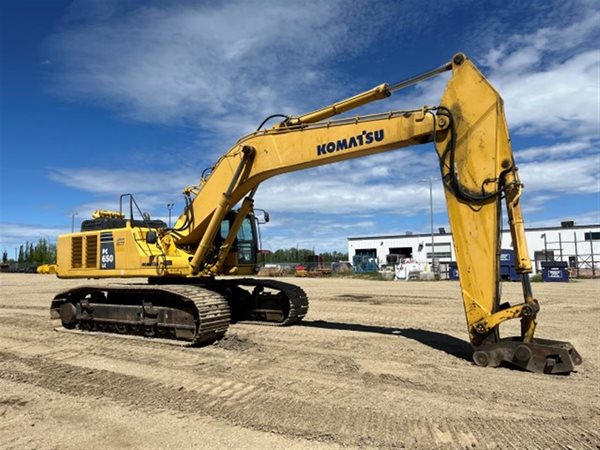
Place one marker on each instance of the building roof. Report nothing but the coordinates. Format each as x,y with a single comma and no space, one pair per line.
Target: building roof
448,233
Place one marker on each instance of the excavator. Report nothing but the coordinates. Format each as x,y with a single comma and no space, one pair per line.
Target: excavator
188,297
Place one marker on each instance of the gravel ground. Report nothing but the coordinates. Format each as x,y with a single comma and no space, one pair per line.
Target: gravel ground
373,365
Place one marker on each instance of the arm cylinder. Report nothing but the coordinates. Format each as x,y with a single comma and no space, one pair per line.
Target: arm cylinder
377,93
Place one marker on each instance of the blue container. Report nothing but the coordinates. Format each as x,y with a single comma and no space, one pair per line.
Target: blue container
507,258
452,271
507,266
555,271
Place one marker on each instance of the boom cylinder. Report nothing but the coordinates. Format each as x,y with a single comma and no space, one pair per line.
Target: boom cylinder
219,213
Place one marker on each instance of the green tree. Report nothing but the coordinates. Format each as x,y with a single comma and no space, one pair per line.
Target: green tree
5,256
334,257
44,253
30,253
25,252
40,253
300,255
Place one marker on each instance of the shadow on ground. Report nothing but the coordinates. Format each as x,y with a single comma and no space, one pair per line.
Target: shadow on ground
439,341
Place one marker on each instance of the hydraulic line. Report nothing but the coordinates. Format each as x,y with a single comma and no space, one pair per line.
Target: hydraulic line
422,77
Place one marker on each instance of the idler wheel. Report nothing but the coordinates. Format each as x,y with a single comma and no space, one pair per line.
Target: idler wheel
481,358
523,353
68,315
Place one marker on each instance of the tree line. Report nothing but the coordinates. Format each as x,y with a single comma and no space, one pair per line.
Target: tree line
41,252
45,253
299,255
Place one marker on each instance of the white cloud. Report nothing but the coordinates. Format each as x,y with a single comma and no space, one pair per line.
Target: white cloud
343,196
14,234
385,181
389,182
549,78
562,100
559,150
117,182
152,190
585,218
535,203
214,65
570,176
312,231
564,167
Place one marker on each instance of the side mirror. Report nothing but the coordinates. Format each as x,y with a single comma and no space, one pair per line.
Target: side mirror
151,237
266,216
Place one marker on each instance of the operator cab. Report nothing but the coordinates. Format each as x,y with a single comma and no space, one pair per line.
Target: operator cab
246,242
242,258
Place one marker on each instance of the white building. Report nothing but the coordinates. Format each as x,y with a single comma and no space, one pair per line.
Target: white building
577,245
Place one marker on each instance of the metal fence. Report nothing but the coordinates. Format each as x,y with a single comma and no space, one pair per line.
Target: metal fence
578,254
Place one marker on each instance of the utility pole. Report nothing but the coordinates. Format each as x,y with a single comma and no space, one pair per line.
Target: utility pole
592,254
170,207
73,221
576,253
545,247
431,215
430,181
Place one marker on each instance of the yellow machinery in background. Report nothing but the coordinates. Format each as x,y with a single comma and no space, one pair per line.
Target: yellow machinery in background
184,300
46,269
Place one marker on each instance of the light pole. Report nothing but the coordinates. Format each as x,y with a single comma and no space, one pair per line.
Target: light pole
73,221
545,247
430,181
170,207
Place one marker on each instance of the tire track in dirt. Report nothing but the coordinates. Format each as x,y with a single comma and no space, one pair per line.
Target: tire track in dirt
295,354
347,380
25,307
289,370
284,414
301,357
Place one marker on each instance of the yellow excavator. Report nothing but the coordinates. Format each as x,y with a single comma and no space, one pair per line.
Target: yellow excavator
185,301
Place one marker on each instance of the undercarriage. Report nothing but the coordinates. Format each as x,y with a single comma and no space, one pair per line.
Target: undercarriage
195,314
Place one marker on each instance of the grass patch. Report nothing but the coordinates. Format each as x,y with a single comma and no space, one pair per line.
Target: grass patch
537,278
360,276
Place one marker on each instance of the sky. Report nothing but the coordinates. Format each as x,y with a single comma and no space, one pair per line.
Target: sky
104,97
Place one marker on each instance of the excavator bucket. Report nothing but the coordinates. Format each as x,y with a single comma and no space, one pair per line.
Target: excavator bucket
540,355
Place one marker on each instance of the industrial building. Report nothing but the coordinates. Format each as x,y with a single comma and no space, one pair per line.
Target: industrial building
576,245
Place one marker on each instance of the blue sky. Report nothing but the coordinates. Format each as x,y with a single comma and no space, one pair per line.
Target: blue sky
103,97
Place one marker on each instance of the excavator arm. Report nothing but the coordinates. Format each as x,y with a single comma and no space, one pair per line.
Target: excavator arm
478,171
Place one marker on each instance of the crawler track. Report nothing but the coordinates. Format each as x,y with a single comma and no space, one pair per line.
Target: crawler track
261,303
187,313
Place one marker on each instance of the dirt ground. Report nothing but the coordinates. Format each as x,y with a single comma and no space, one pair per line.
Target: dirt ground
374,365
